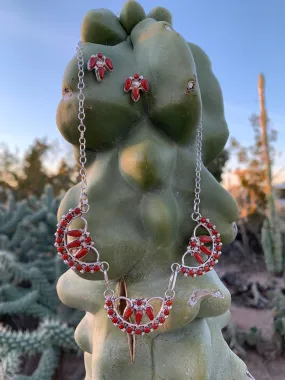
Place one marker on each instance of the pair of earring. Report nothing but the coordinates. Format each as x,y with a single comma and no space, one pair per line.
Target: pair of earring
136,83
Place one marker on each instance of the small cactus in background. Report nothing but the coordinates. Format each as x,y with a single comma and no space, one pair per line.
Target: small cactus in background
29,269
271,234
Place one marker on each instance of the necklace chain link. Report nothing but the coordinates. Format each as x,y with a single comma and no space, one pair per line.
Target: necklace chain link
197,191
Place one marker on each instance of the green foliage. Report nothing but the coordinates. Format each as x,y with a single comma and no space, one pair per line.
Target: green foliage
29,269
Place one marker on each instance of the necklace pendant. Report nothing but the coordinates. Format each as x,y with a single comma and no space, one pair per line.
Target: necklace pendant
72,251
205,249
138,317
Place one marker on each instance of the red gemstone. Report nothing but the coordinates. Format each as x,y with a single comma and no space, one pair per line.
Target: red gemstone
183,270
71,264
139,302
193,244
110,312
115,320
218,248
109,303
203,220
169,303
149,313
88,239
135,94
109,64
191,272
63,223
101,72
206,268
92,62
77,211
155,326
138,331
144,84
58,240
74,244
217,240
147,330
212,263
205,250
79,267
210,225
161,319
87,269
136,76
216,256
128,312
64,257
83,252
129,330
199,258
166,312
60,231
199,272
60,249
74,233
100,55
215,232
205,239
69,216
121,326
139,316
96,268
128,84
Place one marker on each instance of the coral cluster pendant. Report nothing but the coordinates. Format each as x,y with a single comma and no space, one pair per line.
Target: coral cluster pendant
138,317
99,63
136,84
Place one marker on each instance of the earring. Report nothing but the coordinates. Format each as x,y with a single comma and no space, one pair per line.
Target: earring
136,84
100,64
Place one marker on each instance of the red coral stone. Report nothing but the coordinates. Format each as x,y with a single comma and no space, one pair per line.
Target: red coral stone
109,64
203,220
128,84
79,267
215,232
206,268
88,239
71,264
136,76
166,312
155,326
68,216
60,249
217,240
115,320
121,326
205,239
149,313
168,303
63,223
216,256
60,231
191,272
147,330
161,319
110,312
109,303
199,258
183,270
101,72
74,244
144,84
92,62
205,250
199,272
77,211
210,225
139,302
128,312
58,240
212,263
129,330
138,331
74,233
139,316
64,257
135,94
83,252
100,55
96,268
193,244
218,248
87,269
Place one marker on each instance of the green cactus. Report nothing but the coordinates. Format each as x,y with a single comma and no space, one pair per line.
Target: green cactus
29,270
141,188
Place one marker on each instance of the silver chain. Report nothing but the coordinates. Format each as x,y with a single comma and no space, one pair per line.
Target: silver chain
82,128
199,138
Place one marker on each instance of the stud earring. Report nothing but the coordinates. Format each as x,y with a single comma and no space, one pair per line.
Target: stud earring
100,63
136,84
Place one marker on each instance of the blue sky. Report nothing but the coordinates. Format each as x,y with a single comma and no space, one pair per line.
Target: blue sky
242,39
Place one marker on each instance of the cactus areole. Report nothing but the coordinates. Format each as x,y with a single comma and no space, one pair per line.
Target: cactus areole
139,316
